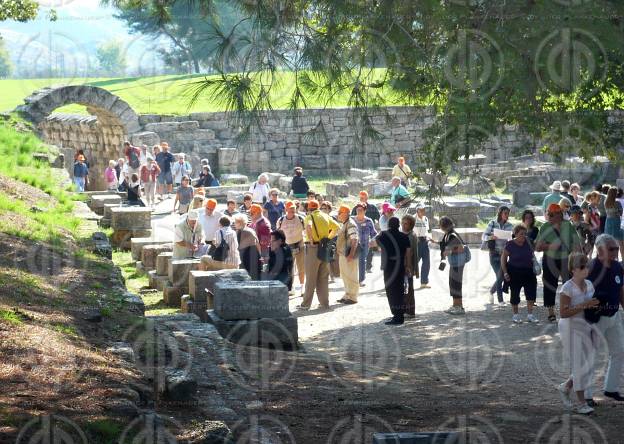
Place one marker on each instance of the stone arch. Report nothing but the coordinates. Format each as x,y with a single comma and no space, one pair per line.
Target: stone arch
101,135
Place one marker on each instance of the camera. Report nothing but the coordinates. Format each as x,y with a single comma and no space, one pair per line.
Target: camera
442,266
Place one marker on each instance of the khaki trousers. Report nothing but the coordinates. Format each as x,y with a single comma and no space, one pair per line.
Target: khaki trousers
316,278
349,272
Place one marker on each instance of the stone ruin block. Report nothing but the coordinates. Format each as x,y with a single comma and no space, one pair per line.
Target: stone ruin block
227,159
384,173
354,186
148,138
163,261
274,333
137,243
202,283
155,281
150,252
251,300
222,191
179,272
463,212
121,238
274,179
173,295
236,196
472,236
234,178
359,173
131,218
337,189
284,183
97,202
186,304
378,189
527,183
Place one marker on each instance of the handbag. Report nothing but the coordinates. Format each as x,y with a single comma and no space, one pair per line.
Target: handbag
326,250
537,267
220,253
460,259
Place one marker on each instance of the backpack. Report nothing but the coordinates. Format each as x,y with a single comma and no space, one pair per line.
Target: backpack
214,182
133,159
278,224
221,252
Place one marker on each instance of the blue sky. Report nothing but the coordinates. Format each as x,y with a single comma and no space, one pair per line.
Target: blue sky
70,42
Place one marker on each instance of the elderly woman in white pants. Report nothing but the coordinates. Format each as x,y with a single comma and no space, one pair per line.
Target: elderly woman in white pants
577,337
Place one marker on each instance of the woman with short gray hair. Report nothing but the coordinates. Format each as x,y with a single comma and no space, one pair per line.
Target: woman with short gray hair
260,189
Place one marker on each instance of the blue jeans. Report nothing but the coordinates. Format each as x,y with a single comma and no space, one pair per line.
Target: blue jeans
362,261
495,262
423,254
80,183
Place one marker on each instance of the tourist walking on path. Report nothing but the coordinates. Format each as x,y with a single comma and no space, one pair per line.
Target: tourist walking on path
452,244
248,247
149,178
607,277
399,196
260,189
81,173
396,262
421,229
348,252
280,260
495,246
583,229
180,169
557,239
407,226
225,254
262,227
274,208
565,205
372,212
230,208
134,191
590,211
387,211
299,185
334,266
602,194
187,236
165,159
613,222
528,220
209,218
133,157
553,197
319,228
293,227
575,193
565,191
245,208
122,175
184,196
366,232
518,272
578,342
110,176
402,171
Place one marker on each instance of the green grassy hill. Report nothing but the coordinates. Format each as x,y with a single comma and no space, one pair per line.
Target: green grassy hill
158,95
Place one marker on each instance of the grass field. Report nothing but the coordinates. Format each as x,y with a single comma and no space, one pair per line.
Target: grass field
158,95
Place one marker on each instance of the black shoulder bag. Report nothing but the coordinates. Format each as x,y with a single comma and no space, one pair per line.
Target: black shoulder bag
326,247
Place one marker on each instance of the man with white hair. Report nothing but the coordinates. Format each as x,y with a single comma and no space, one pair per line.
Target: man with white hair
260,189
399,194
187,237
180,169
607,276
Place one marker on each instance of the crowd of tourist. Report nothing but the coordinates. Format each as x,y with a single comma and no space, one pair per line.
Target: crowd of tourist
303,243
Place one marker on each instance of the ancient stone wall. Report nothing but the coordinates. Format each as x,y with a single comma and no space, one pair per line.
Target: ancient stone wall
101,142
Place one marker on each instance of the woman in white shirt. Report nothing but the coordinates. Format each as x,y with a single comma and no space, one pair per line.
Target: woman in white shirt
260,189
576,333
232,256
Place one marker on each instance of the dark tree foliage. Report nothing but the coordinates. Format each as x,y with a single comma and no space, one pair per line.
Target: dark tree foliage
20,10
552,67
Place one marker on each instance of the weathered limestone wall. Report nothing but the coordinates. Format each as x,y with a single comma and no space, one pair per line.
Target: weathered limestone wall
100,139
286,142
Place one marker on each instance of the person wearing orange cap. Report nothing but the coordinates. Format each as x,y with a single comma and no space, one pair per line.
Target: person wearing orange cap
557,238
209,220
348,250
372,212
292,224
319,227
262,227
402,171
81,173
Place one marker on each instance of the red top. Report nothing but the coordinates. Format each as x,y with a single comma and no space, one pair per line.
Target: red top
149,174
262,227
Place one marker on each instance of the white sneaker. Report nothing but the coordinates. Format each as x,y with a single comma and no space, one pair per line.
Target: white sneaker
516,319
532,318
565,393
583,409
501,303
455,310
